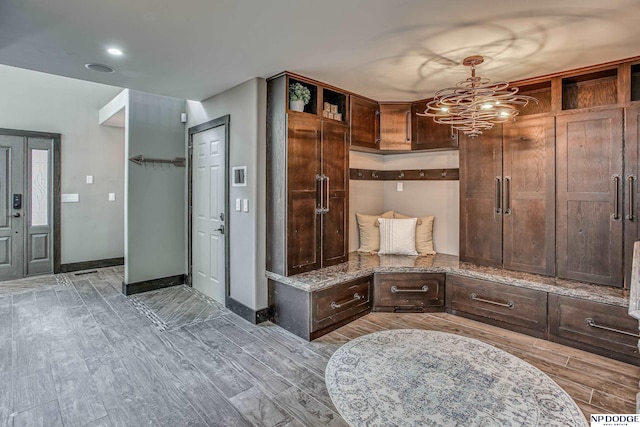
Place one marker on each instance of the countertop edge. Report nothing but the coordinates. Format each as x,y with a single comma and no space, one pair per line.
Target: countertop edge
558,290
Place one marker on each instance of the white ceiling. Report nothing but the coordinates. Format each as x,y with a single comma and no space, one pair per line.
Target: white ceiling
384,49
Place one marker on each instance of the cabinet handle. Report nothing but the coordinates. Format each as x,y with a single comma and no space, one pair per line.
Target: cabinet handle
326,209
593,324
630,179
498,202
356,297
616,201
422,290
507,195
508,304
377,122
319,200
408,129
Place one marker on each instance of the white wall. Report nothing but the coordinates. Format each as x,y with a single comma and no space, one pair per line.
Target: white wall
246,104
365,197
418,198
92,229
155,195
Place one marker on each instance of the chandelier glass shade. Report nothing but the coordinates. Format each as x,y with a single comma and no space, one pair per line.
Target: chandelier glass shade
476,104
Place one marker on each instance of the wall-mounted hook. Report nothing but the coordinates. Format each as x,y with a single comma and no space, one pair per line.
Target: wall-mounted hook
421,173
444,173
401,175
374,174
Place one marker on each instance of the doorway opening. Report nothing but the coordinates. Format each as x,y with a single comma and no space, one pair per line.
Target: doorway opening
29,203
208,200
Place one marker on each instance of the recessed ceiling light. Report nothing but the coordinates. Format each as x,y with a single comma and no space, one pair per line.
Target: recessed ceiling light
114,51
101,68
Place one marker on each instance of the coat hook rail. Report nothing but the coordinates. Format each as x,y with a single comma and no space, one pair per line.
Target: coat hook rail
179,162
406,175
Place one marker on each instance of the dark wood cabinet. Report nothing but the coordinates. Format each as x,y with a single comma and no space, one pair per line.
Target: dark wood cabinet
303,222
507,197
480,198
599,328
510,307
334,160
333,305
632,189
307,187
429,135
395,126
408,292
312,314
365,123
528,176
590,209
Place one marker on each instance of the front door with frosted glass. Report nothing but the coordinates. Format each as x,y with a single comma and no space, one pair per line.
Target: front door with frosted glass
26,246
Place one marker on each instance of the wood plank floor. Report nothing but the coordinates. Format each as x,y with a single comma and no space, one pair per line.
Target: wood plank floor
85,355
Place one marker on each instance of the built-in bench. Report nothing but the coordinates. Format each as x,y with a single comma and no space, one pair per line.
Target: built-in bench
591,317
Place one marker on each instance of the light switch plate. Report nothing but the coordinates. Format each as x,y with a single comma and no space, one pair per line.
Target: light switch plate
245,205
400,186
112,197
238,205
89,179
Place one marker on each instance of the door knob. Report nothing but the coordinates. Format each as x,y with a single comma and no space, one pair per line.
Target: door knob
221,229
16,215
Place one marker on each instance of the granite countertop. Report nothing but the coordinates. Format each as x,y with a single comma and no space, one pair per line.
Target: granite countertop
362,265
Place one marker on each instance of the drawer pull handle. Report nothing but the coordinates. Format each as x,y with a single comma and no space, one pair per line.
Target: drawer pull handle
593,324
422,290
508,304
356,297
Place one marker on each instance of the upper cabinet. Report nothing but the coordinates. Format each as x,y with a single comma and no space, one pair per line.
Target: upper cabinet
395,126
365,123
429,135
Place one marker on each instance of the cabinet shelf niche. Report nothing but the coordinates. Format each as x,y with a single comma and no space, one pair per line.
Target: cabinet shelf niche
590,90
312,106
635,82
336,103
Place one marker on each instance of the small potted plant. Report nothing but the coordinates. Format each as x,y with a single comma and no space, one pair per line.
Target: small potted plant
299,96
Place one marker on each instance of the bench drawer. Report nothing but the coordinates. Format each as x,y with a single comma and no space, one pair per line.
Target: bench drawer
502,305
340,302
602,328
408,292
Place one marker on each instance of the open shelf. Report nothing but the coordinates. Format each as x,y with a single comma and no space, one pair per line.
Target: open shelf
540,91
312,106
335,101
635,82
590,90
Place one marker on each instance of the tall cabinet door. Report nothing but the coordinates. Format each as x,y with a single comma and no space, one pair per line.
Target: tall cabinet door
303,217
589,208
632,189
335,168
481,198
529,195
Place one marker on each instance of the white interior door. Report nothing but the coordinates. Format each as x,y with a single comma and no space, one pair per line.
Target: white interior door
208,195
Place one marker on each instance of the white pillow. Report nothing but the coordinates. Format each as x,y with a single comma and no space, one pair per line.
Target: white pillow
424,234
398,236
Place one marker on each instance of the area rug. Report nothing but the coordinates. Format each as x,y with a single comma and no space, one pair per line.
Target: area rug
413,377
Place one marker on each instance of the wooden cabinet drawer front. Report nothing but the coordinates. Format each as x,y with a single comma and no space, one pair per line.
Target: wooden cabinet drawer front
408,290
591,323
521,307
340,302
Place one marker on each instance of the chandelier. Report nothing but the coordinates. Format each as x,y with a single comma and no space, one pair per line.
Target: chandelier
475,104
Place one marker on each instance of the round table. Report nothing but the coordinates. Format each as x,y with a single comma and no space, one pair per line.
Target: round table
410,377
